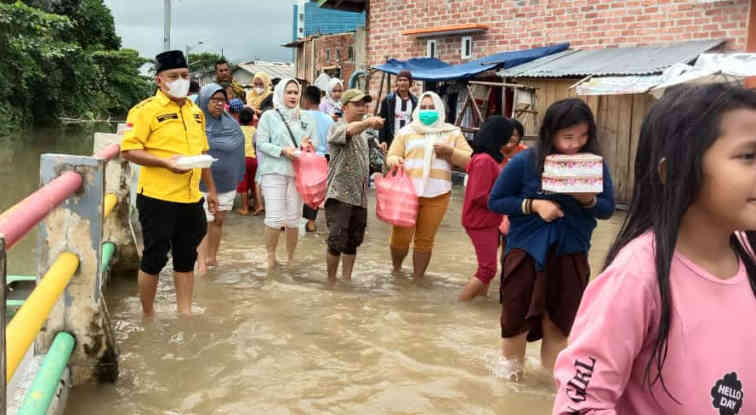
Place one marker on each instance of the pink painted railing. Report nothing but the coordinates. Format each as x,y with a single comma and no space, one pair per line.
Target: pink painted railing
18,220
109,152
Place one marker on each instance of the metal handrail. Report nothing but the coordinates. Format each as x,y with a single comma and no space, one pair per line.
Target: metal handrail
109,152
111,200
28,213
15,223
3,310
42,391
27,322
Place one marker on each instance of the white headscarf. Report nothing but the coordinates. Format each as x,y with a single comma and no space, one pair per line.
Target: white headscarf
431,132
278,99
329,90
438,127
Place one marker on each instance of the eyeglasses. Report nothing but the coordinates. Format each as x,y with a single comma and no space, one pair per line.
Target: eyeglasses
218,101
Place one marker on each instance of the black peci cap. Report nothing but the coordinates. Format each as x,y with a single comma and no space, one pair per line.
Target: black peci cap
172,59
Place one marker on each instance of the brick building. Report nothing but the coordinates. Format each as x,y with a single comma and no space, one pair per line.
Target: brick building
604,36
408,28
336,55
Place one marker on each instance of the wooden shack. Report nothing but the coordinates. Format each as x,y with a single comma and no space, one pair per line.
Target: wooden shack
618,116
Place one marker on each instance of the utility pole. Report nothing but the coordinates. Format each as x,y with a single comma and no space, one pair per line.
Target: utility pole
166,24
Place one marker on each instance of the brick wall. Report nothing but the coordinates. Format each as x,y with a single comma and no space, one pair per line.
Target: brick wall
338,48
522,24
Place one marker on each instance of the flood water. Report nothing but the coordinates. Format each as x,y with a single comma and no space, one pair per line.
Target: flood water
288,343
19,176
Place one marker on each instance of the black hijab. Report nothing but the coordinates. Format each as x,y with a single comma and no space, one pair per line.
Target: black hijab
493,134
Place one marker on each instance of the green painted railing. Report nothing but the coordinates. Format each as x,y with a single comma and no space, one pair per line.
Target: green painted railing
45,384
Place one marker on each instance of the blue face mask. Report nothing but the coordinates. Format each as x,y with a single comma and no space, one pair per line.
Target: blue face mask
428,117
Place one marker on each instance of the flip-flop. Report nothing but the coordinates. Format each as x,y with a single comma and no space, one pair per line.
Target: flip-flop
258,212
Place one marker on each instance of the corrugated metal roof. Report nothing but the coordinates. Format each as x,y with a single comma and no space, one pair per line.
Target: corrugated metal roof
641,60
274,69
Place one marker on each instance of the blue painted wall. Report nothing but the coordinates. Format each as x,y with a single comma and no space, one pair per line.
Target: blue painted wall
294,26
326,21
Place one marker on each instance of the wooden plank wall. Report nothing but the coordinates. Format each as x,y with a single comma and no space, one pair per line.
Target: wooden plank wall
618,119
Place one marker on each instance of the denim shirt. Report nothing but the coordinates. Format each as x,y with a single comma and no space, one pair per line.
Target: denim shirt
272,137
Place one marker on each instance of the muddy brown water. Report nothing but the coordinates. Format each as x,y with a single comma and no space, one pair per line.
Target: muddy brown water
287,342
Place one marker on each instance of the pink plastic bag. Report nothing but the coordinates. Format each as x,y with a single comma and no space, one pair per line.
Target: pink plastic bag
311,172
504,226
396,200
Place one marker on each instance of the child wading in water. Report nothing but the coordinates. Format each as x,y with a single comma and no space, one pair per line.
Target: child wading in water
668,327
247,185
545,266
482,225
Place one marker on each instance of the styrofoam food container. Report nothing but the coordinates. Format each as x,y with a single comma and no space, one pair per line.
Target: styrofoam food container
202,161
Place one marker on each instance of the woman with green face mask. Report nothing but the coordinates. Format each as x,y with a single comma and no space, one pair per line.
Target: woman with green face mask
427,148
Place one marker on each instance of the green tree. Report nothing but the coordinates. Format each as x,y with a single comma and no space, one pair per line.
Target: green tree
93,24
202,62
51,68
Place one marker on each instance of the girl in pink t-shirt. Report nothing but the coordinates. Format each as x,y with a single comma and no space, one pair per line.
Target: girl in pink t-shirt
669,327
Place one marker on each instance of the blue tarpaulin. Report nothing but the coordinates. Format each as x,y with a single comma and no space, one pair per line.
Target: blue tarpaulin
432,69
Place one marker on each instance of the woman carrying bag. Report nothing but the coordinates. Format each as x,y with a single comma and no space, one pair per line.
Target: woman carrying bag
426,148
280,134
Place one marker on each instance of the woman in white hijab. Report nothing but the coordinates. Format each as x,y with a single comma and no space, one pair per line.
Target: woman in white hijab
281,132
427,148
331,105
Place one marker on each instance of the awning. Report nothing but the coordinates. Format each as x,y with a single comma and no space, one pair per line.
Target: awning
432,69
709,67
633,61
618,85
456,29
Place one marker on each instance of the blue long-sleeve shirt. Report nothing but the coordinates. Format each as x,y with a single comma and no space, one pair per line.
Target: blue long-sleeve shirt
570,234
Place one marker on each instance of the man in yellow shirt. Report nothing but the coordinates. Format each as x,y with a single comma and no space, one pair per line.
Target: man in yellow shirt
166,127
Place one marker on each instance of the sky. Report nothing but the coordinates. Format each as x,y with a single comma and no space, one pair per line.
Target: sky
243,29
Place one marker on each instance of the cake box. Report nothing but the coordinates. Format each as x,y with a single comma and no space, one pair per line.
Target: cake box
575,173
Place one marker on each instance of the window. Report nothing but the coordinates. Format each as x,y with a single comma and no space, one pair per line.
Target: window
350,53
301,16
301,30
432,51
338,55
328,55
466,47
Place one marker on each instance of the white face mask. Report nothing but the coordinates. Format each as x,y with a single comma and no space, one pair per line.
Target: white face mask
259,90
178,88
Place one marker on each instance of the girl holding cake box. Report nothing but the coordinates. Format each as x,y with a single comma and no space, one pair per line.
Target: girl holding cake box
545,264
667,327
482,225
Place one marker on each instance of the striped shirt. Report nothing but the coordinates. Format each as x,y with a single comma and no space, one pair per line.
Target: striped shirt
410,146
